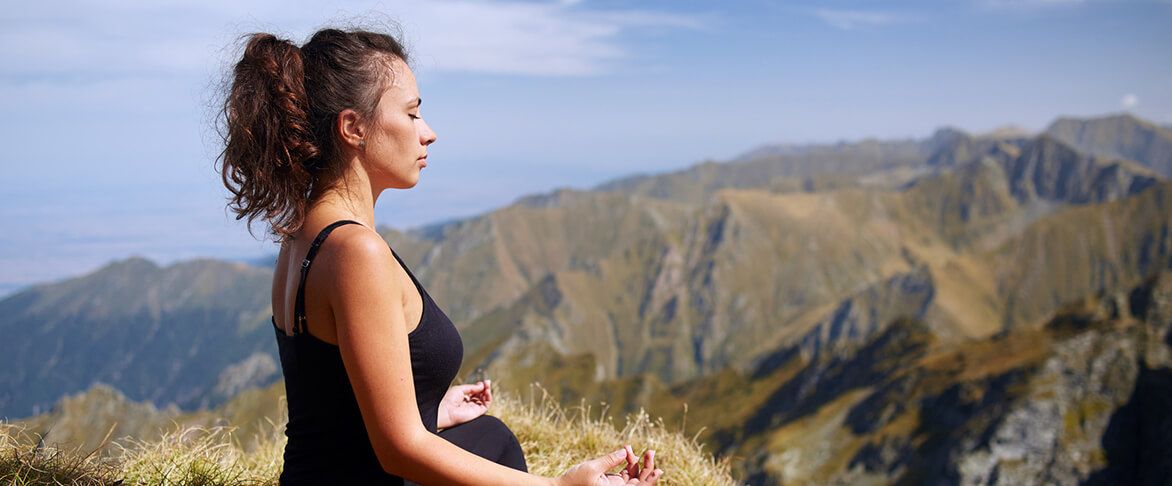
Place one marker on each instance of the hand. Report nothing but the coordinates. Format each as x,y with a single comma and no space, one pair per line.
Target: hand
463,403
594,472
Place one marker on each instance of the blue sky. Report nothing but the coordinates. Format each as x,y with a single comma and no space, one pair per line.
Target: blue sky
109,149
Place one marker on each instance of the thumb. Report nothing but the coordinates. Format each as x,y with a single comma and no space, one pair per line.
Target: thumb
605,463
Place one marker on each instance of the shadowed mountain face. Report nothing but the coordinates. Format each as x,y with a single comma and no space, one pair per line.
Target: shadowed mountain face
817,288
194,334
1119,137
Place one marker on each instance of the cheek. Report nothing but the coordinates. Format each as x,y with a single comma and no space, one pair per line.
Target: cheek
392,135
400,131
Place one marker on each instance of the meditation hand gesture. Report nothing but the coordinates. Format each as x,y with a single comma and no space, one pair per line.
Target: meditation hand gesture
462,403
594,472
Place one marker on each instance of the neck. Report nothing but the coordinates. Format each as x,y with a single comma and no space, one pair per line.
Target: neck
351,197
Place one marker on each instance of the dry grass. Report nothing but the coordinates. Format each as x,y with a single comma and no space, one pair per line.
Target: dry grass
25,464
554,438
202,456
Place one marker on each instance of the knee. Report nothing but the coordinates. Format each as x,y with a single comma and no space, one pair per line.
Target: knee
489,426
493,426
511,453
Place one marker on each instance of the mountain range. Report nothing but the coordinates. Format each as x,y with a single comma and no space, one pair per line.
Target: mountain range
797,291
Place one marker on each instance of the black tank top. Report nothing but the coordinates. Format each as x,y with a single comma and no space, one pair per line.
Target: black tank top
328,443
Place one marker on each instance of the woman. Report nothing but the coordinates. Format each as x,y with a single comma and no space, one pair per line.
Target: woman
312,136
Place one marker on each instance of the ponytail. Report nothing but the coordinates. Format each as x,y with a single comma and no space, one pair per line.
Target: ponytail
280,107
267,138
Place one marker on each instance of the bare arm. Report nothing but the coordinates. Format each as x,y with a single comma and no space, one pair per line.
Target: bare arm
372,337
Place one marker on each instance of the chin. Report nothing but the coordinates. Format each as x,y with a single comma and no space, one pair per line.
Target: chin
406,182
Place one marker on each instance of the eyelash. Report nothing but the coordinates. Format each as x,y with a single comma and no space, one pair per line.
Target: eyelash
414,117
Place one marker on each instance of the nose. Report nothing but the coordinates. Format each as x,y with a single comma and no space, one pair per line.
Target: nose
426,135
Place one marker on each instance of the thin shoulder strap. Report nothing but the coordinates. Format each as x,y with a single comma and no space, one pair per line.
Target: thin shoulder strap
299,323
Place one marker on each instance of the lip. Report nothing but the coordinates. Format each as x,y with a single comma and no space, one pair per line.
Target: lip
423,160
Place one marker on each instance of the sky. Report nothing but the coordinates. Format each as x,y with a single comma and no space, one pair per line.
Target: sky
107,107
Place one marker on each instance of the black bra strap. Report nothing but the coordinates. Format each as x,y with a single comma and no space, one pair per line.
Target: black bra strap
299,320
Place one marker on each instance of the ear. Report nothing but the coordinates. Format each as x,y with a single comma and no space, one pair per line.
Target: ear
351,128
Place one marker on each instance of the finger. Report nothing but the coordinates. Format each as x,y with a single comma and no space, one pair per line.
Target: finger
485,391
645,475
605,463
645,472
649,459
632,462
488,389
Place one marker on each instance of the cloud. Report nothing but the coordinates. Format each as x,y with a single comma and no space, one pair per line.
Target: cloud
138,38
854,19
532,39
1129,101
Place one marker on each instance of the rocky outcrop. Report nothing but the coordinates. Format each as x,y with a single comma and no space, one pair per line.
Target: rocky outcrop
1083,400
1097,410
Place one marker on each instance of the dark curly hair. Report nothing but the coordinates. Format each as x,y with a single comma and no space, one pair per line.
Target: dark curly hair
277,121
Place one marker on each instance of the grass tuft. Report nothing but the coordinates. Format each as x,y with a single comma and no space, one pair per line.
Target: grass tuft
555,438
24,460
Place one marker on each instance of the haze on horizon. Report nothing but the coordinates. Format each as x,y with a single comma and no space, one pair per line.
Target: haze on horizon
109,147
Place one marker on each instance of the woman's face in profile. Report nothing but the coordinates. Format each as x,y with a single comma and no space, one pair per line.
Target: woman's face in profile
396,146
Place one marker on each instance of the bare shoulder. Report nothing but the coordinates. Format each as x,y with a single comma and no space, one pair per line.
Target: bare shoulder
355,251
355,243
360,271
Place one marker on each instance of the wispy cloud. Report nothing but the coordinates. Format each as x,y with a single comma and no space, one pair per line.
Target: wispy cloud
559,39
855,19
98,39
